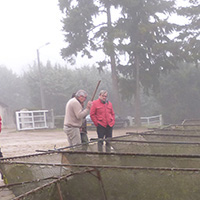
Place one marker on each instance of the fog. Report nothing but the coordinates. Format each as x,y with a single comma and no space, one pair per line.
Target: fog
26,26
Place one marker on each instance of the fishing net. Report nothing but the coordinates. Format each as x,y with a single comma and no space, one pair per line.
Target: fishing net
183,127
149,142
29,168
132,159
163,147
139,166
163,137
16,189
168,131
119,183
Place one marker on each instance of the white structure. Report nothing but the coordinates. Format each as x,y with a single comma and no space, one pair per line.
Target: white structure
153,120
27,120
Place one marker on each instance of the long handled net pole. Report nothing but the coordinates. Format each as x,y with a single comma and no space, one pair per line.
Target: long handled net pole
95,90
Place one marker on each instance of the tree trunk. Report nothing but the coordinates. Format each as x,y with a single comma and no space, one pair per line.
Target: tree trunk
137,95
116,97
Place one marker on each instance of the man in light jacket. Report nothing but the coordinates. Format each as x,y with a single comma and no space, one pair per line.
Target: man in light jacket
74,115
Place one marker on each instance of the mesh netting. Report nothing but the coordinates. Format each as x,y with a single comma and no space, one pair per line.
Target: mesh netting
168,131
17,189
124,159
162,148
186,127
140,166
91,146
166,142
15,173
187,138
122,183
29,168
154,136
40,158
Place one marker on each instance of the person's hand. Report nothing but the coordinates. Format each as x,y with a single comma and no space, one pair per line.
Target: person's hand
89,105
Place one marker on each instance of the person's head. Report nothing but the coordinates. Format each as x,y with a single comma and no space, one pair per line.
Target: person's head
81,95
103,95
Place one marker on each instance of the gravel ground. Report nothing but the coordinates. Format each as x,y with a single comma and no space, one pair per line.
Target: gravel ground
17,143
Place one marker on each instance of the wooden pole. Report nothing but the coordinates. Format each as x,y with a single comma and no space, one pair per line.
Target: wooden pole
95,90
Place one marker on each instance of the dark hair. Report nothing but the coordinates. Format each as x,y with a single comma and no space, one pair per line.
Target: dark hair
73,94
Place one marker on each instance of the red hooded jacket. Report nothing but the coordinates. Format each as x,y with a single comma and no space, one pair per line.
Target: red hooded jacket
102,113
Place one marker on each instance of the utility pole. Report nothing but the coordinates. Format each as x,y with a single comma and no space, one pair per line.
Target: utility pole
42,98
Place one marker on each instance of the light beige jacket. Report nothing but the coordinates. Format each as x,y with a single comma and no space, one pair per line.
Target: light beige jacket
74,113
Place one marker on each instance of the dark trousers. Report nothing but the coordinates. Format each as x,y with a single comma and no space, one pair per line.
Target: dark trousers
104,132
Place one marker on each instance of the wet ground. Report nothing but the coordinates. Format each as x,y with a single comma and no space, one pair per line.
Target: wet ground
16,143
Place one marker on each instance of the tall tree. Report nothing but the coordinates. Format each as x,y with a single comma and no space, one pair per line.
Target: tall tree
145,40
88,27
189,32
139,41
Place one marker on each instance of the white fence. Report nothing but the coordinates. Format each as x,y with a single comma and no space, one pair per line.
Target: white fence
153,120
27,120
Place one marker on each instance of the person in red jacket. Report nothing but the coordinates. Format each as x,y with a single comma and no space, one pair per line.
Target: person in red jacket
103,116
